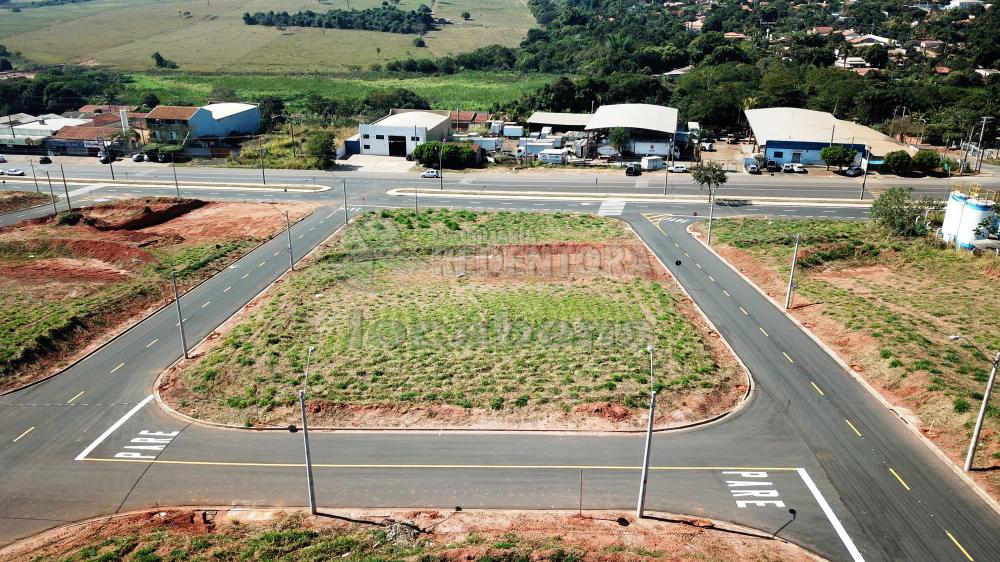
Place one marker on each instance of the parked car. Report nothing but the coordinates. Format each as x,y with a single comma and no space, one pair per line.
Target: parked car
2,159
430,174
104,159
633,170
853,172
707,146
147,158
799,168
137,157
787,168
15,172
44,160
678,168
1,172
772,166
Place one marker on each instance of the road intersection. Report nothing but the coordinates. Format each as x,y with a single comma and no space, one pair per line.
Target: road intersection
812,457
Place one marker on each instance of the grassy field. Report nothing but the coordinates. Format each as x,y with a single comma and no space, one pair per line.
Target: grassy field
891,304
11,201
174,535
408,329
63,283
466,90
211,37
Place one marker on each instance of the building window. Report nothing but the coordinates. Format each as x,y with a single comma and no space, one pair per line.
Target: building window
368,147
379,137
365,136
414,139
173,135
779,154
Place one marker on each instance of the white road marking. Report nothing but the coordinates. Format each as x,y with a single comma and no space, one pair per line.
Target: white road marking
245,276
226,290
27,431
844,537
206,304
150,344
611,208
70,401
120,365
113,428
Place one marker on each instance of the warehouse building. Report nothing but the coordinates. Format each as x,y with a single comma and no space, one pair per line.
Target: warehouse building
795,135
652,127
560,122
402,130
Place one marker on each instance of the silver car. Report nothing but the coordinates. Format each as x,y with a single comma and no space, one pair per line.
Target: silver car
15,172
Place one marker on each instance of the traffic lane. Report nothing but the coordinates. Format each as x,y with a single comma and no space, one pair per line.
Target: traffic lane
830,432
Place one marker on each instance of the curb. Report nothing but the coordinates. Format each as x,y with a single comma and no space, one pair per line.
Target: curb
751,386
137,322
976,488
207,185
563,195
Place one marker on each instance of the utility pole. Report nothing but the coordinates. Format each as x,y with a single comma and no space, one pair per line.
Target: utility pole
711,212
666,180
982,414
33,178
55,210
291,132
979,148
177,187
441,165
263,177
416,199
864,177
344,182
649,348
791,274
288,229
180,319
305,434
640,508
111,157
65,188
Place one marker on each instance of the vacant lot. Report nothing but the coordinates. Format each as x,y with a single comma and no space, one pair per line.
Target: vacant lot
466,90
71,281
457,318
406,535
11,201
211,37
887,305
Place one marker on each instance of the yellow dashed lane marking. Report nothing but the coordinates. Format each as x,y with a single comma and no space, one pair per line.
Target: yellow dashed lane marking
898,477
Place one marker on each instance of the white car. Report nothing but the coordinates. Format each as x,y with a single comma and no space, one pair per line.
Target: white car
798,168
431,174
2,159
15,172
678,168
707,146
787,168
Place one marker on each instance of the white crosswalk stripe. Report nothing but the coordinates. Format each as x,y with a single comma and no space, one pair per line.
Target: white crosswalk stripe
611,208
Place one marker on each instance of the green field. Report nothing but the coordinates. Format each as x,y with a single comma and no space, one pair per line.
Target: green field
211,36
406,329
897,299
466,90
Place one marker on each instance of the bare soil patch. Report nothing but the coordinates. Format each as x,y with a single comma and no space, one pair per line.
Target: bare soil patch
407,535
11,201
72,282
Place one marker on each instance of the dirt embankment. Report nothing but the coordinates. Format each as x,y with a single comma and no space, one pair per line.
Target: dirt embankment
224,534
87,275
11,201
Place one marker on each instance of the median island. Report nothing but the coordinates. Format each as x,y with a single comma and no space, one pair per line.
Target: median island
461,319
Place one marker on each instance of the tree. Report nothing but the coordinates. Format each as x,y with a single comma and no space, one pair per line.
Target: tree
837,155
381,101
419,42
896,210
272,112
709,173
5,65
149,100
452,155
161,62
898,162
323,147
466,16
619,138
926,160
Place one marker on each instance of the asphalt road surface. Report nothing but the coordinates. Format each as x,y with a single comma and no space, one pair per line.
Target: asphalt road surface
812,457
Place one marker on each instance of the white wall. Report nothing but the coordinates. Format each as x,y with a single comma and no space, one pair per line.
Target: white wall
414,136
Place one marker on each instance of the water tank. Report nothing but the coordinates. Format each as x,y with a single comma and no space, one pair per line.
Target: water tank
976,210
953,215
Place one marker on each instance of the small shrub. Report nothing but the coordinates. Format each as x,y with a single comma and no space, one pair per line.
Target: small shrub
961,405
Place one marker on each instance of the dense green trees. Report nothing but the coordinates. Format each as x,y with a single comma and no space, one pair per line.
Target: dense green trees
453,155
383,18
926,160
896,210
897,162
837,155
323,147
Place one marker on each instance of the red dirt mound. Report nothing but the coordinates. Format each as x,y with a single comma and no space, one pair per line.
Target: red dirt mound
66,268
141,213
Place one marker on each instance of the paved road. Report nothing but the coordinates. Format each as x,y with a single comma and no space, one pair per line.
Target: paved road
865,488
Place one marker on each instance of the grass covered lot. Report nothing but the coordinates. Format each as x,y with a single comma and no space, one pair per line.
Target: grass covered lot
69,281
11,201
457,318
466,90
888,304
211,37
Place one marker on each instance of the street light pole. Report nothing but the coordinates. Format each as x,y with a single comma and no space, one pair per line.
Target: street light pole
791,275
305,436
33,178
982,409
711,212
260,145
55,210
441,165
666,181
344,182
288,229
180,318
649,348
640,508
65,188
173,167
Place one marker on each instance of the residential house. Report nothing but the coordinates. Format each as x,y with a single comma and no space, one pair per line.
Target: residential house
214,121
80,140
931,45
463,120
823,30
732,35
34,133
170,122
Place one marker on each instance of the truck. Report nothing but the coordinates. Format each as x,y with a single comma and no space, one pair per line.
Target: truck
513,131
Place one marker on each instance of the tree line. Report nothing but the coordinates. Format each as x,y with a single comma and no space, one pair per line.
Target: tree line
384,18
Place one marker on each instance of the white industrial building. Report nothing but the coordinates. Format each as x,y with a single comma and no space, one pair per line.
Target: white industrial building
652,127
795,135
402,131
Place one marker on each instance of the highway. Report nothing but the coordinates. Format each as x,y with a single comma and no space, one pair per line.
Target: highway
812,439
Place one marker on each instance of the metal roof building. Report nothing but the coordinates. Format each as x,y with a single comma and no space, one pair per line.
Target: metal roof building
402,131
559,121
791,134
643,116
